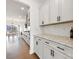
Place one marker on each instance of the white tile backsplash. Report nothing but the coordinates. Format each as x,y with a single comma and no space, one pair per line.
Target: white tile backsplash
59,29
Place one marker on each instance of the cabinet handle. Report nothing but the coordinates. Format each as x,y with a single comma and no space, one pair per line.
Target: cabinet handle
47,42
58,18
36,42
60,48
40,39
52,53
42,22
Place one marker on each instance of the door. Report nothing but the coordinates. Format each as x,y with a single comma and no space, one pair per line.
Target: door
44,13
67,10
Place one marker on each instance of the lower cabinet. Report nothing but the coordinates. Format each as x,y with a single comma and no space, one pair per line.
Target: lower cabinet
51,53
48,53
68,57
44,50
26,38
38,47
59,55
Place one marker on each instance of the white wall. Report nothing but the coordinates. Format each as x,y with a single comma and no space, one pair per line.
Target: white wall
59,29
34,20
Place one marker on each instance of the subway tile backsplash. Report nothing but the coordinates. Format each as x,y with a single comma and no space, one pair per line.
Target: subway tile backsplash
59,29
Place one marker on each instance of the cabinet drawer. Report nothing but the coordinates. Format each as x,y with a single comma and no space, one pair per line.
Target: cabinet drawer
67,50
49,43
60,47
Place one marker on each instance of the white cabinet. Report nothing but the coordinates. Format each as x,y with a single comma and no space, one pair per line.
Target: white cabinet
67,57
53,10
56,10
59,55
38,47
47,49
51,53
44,13
61,9
47,53
67,10
26,37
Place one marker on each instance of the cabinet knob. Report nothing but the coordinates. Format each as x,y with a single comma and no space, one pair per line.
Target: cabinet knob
58,18
60,48
47,42
40,39
42,22
52,53
36,42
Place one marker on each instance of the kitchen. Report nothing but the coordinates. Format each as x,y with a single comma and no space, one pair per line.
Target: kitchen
46,26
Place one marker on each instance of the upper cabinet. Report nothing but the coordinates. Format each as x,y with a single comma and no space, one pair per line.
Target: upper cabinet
67,10
56,10
44,13
53,10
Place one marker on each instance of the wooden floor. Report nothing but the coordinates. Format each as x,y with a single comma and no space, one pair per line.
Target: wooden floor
18,49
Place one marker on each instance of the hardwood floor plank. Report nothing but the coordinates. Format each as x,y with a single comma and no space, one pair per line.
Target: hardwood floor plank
18,49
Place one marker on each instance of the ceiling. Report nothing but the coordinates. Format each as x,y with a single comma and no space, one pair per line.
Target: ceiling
13,8
16,10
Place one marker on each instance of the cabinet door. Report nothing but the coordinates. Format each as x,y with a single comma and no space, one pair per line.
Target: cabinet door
67,10
59,55
53,10
40,45
51,53
36,45
48,52
67,57
44,13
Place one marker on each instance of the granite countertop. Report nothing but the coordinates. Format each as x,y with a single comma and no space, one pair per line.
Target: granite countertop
59,39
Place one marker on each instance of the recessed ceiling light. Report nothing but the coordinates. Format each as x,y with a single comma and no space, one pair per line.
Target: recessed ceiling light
22,8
